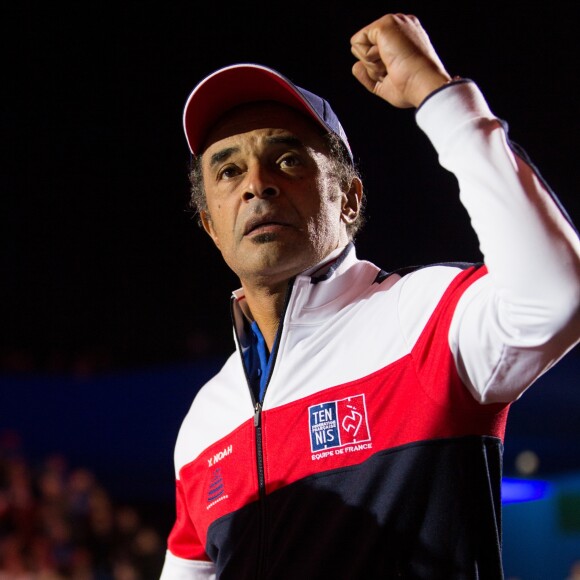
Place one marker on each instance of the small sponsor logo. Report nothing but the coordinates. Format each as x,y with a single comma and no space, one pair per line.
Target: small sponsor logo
340,424
216,491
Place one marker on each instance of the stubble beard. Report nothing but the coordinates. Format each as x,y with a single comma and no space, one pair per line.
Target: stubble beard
264,238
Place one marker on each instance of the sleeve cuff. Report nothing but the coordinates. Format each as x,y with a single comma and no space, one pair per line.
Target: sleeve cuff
450,107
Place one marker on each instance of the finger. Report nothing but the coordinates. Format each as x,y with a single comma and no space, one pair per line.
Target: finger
360,38
361,48
376,71
371,59
359,71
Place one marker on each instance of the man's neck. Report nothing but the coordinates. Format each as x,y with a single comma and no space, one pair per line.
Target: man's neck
265,299
266,305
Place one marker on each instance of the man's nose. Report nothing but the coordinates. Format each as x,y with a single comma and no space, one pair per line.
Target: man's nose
259,183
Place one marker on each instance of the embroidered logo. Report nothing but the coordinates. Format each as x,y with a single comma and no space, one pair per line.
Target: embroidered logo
216,485
338,425
216,491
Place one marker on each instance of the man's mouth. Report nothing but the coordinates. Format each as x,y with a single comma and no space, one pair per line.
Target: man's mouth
263,225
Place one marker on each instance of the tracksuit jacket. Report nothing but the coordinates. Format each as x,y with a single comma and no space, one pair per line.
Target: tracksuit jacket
376,451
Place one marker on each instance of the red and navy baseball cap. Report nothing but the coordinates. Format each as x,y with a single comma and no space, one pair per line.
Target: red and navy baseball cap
234,85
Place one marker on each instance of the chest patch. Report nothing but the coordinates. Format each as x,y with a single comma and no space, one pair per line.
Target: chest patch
340,425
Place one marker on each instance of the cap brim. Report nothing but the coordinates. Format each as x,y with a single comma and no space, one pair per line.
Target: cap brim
232,86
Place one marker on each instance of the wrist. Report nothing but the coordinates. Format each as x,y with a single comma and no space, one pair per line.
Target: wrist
429,84
438,87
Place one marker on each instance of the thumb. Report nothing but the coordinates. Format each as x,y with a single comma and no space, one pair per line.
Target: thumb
360,72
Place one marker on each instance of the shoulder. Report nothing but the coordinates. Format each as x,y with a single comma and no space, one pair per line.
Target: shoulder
218,408
423,289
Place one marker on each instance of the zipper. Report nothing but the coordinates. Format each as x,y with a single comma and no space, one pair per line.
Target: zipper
261,558
259,450
262,527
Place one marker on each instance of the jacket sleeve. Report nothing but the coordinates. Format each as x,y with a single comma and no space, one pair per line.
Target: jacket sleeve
185,558
176,568
516,322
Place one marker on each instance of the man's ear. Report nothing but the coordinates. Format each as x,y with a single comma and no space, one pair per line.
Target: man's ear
208,227
351,201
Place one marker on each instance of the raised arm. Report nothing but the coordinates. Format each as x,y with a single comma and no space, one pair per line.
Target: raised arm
521,318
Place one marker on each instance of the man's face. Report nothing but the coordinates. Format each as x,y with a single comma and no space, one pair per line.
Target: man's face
273,206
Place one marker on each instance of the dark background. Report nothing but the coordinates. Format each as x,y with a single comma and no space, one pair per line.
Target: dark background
101,263
105,272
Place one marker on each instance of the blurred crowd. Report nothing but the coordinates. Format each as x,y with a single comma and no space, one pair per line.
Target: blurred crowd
58,522
82,360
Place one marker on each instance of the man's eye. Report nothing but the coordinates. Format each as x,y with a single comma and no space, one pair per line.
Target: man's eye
289,160
228,172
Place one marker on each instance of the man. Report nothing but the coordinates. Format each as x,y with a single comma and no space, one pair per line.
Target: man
357,431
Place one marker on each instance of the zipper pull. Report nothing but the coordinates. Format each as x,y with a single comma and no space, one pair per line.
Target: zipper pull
257,411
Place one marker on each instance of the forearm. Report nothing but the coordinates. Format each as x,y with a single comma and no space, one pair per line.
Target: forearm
531,297
185,558
531,250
